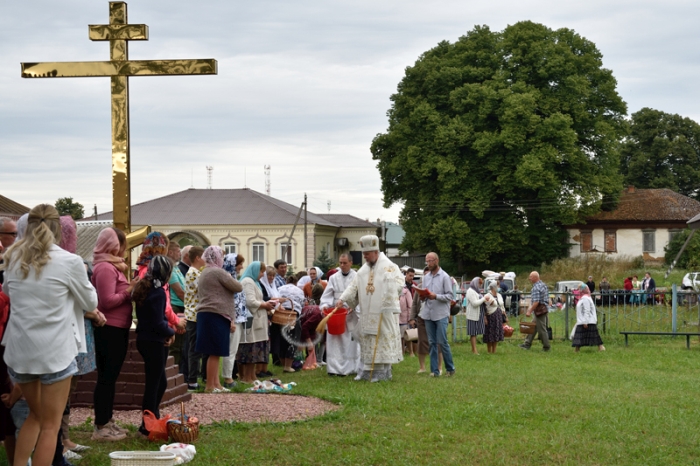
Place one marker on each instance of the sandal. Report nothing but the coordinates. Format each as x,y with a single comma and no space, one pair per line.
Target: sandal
78,448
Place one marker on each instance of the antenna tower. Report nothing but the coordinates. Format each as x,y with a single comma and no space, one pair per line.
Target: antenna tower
267,180
210,170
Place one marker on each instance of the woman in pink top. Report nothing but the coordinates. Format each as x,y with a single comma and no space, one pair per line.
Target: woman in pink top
111,340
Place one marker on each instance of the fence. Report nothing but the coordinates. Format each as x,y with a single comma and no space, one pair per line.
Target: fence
618,310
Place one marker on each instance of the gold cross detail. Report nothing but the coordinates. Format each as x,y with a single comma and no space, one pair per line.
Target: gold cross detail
119,68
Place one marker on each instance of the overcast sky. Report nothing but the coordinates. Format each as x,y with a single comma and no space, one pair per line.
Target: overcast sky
303,86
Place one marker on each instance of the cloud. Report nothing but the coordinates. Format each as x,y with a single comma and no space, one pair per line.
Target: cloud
302,86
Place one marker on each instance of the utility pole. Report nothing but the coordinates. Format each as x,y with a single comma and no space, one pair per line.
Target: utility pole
267,180
306,249
210,169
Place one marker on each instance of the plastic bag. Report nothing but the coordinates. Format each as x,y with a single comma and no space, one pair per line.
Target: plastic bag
184,453
157,428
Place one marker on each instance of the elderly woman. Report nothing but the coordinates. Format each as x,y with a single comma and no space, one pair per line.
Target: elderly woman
493,331
475,313
585,333
255,345
48,289
278,344
216,314
233,263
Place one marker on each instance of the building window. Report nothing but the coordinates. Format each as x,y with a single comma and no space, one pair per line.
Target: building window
258,252
286,252
586,241
610,241
649,241
673,232
230,248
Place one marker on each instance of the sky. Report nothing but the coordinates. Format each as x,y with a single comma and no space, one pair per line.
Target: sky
302,86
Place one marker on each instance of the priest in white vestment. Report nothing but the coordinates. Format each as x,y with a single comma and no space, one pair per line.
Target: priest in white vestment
376,288
342,351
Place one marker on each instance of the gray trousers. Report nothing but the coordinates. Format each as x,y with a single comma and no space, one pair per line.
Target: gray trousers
541,329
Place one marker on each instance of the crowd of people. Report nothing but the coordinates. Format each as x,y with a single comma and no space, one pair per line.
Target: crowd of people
61,318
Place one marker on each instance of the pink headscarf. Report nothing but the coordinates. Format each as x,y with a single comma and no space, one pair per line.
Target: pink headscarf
69,234
213,256
107,248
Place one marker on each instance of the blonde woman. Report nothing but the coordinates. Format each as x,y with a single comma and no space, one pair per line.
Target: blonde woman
48,288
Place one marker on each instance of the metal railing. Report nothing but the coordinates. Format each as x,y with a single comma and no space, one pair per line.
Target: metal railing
618,310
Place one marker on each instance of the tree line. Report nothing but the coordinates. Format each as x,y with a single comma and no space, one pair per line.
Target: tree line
499,140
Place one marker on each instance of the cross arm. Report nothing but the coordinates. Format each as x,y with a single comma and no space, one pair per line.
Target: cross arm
119,68
118,32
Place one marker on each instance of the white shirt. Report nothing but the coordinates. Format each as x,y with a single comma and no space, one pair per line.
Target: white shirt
46,329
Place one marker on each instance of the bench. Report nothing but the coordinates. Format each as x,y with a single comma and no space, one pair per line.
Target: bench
686,334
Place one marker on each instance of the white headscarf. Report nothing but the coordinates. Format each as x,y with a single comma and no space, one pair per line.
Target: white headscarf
306,279
271,288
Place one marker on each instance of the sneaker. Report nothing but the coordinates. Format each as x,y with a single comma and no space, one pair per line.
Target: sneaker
450,373
113,425
229,384
107,435
524,347
192,387
71,455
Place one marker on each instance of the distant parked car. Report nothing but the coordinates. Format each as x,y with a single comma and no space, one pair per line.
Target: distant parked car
566,286
691,281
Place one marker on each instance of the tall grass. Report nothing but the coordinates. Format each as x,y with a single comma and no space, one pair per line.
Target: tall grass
599,266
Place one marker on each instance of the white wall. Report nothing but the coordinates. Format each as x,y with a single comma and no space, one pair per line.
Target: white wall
629,243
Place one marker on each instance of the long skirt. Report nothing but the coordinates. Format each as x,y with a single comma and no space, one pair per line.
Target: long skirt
253,353
586,336
493,332
476,327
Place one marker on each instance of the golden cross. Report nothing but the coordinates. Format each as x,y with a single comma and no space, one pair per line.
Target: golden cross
119,68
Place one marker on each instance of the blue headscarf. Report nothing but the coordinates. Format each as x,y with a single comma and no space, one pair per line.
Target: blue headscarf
253,271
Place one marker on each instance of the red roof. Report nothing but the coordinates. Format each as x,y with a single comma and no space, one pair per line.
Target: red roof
650,205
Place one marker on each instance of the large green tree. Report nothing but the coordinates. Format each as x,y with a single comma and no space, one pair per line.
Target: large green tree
662,151
66,206
497,140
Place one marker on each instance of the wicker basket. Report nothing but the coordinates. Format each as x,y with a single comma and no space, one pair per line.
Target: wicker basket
185,432
142,458
284,317
527,328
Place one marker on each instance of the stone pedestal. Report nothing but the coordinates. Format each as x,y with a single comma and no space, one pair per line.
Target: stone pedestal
131,381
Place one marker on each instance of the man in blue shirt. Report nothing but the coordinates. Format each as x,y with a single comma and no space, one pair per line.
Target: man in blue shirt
436,313
539,295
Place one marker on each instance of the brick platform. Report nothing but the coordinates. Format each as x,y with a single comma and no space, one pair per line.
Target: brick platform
131,381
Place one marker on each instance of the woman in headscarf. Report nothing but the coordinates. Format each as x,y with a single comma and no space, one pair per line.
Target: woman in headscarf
48,289
493,332
292,299
311,317
233,263
156,243
255,345
86,361
153,334
585,333
216,314
475,313
112,339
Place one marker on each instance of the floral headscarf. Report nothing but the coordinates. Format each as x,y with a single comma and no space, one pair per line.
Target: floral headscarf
156,243
213,256
242,312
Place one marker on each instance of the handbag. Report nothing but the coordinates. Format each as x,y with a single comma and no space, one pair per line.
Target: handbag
541,309
412,334
455,309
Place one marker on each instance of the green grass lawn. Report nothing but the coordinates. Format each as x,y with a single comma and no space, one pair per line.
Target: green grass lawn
634,405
